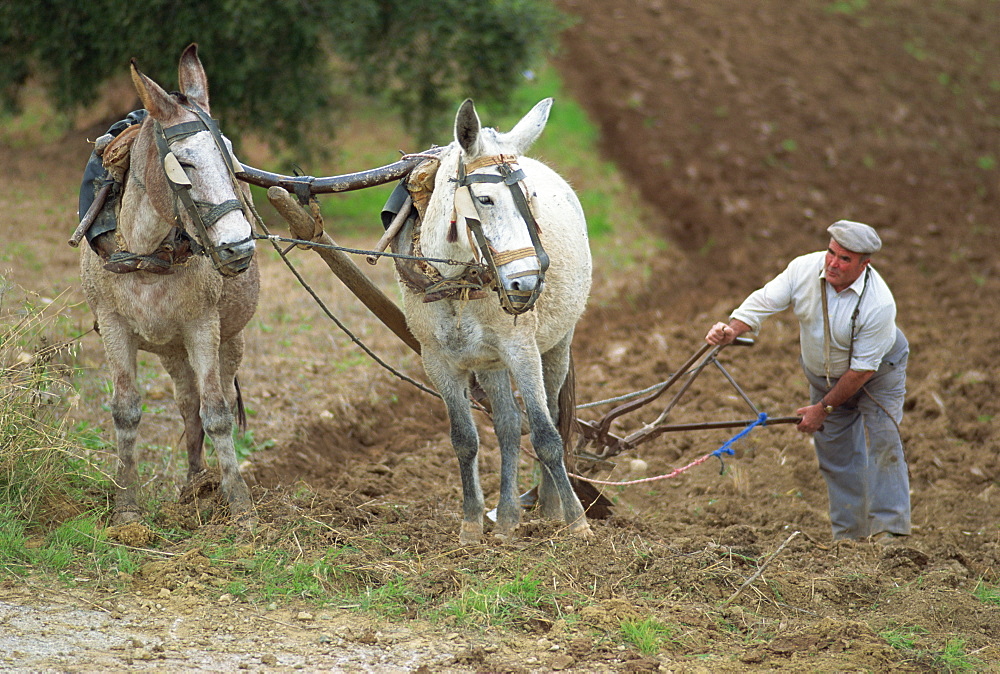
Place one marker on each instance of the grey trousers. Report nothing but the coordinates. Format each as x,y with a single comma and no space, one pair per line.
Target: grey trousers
861,454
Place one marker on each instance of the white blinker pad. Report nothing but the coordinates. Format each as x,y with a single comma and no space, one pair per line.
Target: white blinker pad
464,206
174,170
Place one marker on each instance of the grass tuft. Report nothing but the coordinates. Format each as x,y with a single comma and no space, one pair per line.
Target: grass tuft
649,635
48,480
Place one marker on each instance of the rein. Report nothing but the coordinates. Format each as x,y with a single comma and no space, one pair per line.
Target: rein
514,302
203,214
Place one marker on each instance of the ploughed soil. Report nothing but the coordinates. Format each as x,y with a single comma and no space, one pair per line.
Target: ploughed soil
746,129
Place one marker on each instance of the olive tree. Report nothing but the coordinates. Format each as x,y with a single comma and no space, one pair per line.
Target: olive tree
279,67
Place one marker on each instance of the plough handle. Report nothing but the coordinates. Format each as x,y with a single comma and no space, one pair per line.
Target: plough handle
713,425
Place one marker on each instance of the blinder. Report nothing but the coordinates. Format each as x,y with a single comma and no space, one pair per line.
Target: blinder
514,302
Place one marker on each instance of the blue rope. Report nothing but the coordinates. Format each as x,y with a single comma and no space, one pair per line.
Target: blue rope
727,445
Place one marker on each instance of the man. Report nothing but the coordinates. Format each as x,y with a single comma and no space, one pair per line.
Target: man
854,358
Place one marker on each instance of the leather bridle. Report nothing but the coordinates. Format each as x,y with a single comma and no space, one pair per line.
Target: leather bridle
203,214
514,302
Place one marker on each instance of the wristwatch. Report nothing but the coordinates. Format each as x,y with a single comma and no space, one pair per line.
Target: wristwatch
828,409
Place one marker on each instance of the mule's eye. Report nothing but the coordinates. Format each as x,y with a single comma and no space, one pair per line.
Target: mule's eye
185,164
485,201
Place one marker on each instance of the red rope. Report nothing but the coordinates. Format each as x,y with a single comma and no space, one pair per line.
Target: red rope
675,473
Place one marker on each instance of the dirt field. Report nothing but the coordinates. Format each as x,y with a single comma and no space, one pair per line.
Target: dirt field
747,128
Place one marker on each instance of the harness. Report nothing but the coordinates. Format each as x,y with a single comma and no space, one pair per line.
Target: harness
514,302
203,214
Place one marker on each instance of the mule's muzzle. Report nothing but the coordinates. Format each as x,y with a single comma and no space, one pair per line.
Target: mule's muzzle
235,258
524,283
521,290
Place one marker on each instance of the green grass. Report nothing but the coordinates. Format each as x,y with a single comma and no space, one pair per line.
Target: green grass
53,491
14,557
83,540
499,602
846,6
988,594
34,124
394,599
76,547
91,437
40,464
246,444
23,254
904,638
649,635
952,658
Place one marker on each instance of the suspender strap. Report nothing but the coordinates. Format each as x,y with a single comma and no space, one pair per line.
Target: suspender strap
826,329
826,323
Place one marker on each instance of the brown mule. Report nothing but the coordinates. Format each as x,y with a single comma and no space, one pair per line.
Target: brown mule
193,317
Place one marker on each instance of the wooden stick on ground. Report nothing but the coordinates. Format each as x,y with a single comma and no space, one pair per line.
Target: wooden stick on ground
761,569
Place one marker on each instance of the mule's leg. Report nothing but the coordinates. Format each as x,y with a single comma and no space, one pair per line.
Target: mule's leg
230,357
453,385
189,403
120,348
555,367
204,355
526,368
507,424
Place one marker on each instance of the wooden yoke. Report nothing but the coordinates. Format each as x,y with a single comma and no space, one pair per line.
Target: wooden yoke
304,225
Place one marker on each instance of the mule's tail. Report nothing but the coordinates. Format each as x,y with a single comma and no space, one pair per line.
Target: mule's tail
241,412
595,504
567,414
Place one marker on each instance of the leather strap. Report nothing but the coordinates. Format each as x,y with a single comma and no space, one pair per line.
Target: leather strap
826,328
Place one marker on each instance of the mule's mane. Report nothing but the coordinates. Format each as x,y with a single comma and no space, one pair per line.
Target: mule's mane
179,97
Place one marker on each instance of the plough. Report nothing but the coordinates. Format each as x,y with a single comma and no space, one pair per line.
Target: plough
598,433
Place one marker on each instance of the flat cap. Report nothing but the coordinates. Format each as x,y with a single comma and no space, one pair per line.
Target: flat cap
856,237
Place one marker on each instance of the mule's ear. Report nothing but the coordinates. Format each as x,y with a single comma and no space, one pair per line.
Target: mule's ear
467,127
530,127
157,101
192,78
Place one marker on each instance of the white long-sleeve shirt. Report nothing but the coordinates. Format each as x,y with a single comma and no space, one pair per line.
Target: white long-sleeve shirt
799,287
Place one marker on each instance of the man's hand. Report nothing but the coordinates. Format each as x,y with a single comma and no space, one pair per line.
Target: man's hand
813,417
720,333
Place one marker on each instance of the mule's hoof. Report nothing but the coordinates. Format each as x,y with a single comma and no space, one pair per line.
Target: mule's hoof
240,504
246,520
470,534
581,529
505,534
125,516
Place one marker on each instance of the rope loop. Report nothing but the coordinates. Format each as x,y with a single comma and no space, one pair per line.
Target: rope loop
727,446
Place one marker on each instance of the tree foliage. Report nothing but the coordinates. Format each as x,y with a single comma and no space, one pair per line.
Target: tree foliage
280,67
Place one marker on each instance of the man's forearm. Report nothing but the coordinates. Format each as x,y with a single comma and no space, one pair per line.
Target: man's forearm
848,384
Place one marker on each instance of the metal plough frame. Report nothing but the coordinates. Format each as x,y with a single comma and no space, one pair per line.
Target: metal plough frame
598,433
